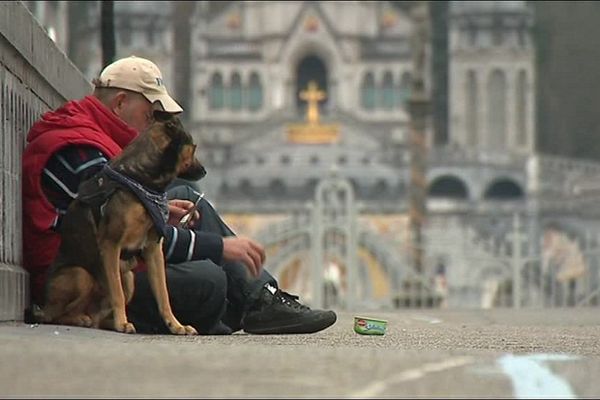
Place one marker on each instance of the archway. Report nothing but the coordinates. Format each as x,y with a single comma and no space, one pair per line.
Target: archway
504,189
311,68
449,187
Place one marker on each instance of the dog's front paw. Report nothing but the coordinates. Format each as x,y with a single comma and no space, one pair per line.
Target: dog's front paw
190,330
178,329
127,327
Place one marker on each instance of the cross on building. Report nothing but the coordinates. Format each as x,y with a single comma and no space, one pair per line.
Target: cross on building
312,96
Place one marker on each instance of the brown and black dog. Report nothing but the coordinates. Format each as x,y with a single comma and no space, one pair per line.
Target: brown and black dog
121,210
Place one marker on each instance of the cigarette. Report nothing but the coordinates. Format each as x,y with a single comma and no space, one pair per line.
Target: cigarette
188,216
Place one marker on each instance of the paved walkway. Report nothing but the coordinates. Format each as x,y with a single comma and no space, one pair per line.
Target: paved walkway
425,353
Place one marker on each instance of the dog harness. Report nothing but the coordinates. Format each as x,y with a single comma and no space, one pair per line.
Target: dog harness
96,192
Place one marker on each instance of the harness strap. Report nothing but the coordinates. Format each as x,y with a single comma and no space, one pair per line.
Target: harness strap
96,191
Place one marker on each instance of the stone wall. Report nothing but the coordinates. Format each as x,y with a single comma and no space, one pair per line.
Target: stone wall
35,76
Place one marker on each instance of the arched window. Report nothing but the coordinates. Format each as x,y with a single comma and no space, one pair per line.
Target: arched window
246,187
404,90
311,185
380,188
255,94
472,111
235,92
277,187
497,111
215,94
311,68
521,109
387,91
367,90
224,188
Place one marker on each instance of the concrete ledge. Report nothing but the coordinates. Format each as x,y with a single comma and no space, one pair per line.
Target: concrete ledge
35,76
14,292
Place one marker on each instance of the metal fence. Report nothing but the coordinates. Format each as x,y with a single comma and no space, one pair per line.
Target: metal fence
535,262
35,76
507,260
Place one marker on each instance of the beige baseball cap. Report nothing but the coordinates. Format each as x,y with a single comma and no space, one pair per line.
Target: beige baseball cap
139,75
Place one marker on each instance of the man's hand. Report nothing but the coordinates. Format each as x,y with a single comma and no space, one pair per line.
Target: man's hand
179,208
245,250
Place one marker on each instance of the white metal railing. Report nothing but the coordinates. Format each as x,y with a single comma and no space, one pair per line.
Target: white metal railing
527,266
524,264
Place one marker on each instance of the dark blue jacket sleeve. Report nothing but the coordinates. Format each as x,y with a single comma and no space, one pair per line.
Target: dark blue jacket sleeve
182,244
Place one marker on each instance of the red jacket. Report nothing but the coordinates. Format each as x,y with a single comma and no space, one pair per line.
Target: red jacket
81,122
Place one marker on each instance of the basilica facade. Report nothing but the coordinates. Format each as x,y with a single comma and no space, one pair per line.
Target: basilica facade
252,61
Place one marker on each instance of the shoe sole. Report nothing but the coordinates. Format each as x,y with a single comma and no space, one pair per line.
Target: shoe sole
296,327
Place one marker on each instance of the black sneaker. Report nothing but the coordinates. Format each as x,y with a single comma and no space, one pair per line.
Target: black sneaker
281,312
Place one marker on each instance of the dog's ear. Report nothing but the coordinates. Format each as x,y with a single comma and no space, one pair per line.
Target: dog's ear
172,123
181,148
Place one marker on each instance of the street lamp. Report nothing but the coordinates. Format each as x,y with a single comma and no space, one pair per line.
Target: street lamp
419,110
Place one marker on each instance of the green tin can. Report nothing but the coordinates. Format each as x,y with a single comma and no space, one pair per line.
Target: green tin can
369,326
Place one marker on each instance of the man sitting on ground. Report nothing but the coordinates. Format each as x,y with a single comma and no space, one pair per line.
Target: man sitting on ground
207,264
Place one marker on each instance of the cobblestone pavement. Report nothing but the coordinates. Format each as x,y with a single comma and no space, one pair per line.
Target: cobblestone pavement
425,353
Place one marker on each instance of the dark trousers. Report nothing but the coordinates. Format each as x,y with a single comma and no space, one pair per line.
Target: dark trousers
201,292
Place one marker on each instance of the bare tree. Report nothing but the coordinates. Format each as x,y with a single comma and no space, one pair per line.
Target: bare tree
79,27
107,36
439,77
182,14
